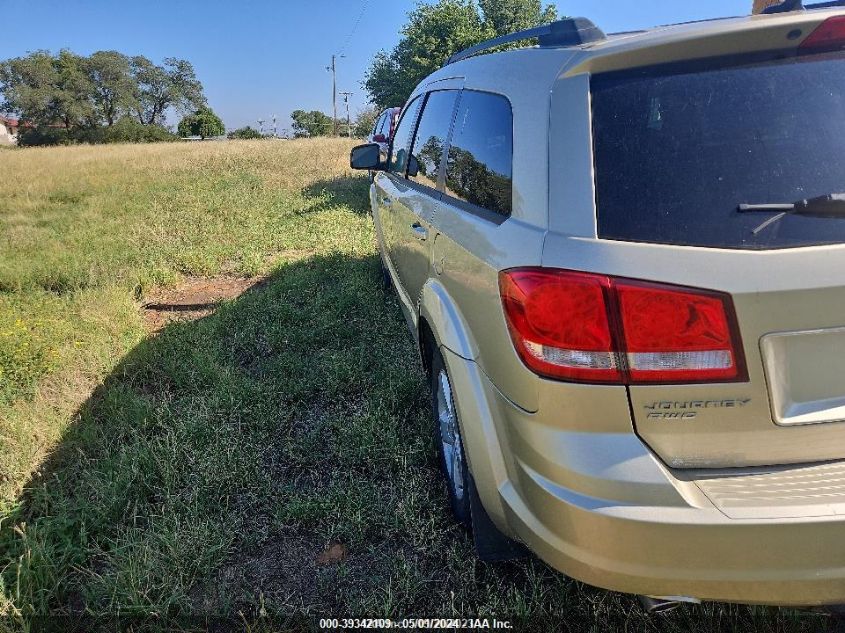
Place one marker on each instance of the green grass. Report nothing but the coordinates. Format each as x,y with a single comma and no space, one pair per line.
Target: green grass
199,473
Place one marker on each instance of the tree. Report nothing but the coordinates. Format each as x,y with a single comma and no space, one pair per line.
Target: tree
313,123
71,96
203,123
508,16
72,90
28,85
434,32
365,121
244,133
113,85
159,87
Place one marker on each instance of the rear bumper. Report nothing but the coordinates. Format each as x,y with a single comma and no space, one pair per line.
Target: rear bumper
694,552
600,507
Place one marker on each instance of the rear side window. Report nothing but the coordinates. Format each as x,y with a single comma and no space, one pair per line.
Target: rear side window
401,144
479,163
677,151
432,132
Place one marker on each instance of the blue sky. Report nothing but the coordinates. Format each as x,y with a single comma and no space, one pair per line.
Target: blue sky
258,58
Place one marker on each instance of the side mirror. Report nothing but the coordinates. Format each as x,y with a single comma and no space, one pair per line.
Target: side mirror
379,138
413,166
365,156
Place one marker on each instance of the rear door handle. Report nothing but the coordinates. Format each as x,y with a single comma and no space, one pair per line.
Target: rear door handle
420,232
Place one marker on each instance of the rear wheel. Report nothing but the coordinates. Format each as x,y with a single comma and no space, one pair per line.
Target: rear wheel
490,543
449,442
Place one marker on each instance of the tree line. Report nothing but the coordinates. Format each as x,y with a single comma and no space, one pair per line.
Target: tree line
111,96
66,96
433,32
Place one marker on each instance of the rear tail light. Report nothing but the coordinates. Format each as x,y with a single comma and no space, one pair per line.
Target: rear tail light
585,327
828,36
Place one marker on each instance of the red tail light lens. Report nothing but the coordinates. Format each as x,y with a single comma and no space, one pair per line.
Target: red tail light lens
594,328
673,335
828,36
578,348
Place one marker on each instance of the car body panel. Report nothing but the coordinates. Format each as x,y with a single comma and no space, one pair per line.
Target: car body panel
601,507
468,253
410,250
612,484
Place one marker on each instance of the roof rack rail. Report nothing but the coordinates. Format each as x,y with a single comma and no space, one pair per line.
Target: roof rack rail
798,5
825,5
568,32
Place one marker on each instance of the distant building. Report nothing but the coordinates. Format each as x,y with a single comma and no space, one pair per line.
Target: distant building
8,130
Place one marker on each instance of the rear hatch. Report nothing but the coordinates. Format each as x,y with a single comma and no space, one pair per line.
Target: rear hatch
677,149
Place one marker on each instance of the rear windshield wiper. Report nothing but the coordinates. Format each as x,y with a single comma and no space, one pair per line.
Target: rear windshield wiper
830,206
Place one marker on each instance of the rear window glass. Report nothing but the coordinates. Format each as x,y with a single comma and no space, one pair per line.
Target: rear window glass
676,153
479,162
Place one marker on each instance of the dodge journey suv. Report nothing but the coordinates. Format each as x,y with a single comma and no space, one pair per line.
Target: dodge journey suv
623,260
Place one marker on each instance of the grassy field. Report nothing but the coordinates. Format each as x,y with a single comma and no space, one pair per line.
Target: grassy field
267,461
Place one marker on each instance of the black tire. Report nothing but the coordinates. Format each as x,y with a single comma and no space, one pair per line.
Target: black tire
447,435
490,544
386,281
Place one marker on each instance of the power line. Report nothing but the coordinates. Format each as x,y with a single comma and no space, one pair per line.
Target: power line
354,27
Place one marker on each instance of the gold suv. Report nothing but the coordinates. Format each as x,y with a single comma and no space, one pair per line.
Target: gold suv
623,259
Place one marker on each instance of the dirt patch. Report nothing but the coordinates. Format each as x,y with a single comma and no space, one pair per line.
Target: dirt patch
332,555
295,571
193,299
283,571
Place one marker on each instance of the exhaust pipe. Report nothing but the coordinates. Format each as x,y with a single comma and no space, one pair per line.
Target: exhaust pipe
663,604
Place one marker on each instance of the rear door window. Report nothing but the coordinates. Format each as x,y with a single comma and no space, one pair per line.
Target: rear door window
479,162
676,152
431,135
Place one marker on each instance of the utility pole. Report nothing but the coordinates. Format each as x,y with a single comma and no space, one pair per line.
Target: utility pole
274,126
346,96
334,91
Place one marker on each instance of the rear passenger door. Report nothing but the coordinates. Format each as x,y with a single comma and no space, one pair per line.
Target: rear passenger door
416,197
477,201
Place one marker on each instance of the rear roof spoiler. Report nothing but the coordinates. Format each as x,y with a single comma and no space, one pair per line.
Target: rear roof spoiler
568,32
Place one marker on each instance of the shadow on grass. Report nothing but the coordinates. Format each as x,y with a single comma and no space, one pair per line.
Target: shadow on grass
344,191
211,469
275,458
